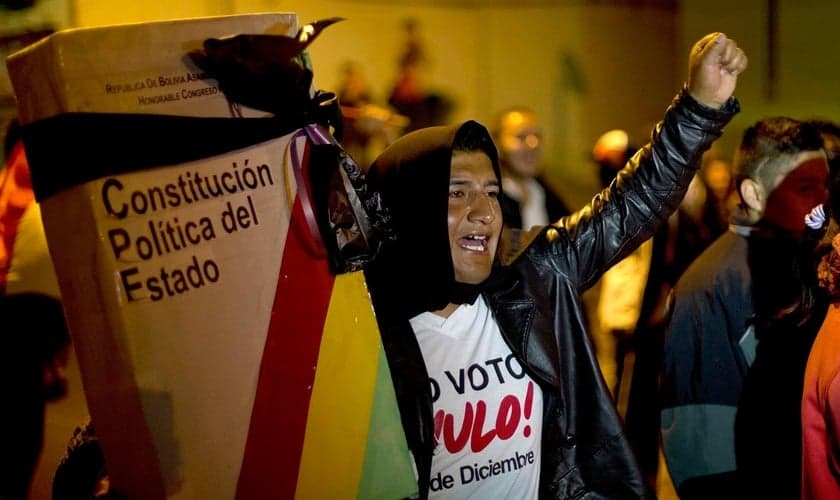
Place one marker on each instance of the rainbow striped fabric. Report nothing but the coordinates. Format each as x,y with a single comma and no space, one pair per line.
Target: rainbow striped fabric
325,423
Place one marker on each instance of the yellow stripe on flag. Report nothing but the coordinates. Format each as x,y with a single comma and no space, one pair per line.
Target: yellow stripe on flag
340,408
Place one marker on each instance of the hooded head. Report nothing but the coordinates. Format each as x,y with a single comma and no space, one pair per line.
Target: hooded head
440,185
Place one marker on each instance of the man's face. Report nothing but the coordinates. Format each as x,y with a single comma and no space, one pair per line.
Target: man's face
475,218
797,191
719,178
520,143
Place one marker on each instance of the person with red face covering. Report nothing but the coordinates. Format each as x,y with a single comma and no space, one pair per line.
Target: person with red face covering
733,367
497,383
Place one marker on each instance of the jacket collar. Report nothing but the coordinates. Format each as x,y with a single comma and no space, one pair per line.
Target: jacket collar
515,313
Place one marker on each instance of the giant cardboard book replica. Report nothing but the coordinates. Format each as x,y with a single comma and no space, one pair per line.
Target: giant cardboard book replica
222,354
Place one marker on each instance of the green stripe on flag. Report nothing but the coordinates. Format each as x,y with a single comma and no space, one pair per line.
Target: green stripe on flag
387,473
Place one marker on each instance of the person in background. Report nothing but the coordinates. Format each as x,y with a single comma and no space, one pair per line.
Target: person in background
830,132
34,342
497,384
723,305
632,303
410,95
789,310
367,125
820,401
622,286
529,200
721,198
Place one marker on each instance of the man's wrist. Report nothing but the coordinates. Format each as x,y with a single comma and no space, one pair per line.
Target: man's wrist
724,111
703,102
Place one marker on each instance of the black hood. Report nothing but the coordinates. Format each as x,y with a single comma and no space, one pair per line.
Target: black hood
414,273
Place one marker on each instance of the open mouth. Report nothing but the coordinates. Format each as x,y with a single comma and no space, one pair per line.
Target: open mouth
474,242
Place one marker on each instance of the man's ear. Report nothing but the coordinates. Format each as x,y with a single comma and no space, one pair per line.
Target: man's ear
753,195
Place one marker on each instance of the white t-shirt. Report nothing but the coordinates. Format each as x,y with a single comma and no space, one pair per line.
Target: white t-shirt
488,412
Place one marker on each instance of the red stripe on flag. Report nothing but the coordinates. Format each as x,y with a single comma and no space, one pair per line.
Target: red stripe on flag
275,437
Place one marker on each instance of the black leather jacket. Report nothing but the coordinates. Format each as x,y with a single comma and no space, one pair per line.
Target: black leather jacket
535,297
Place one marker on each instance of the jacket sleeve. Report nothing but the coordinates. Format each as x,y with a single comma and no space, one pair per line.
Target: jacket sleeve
643,195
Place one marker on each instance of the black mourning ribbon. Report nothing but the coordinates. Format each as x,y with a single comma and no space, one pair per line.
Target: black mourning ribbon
74,148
